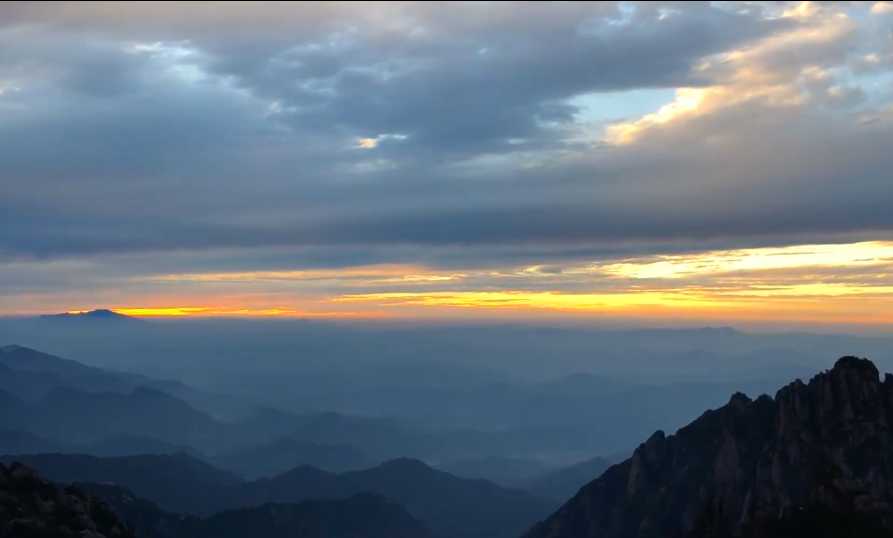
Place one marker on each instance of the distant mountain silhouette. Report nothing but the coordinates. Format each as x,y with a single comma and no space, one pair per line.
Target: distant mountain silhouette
82,417
8,401
448,505
509,472
100,315
379,438
24,442
134,445
31,374
221,406
83,405
363,515
30,360
287,453
816,461
11,409
172,481
28,386
21,441
34,508
562,484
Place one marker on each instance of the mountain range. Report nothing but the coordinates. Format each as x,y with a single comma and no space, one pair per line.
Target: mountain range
285,453
814,461
364,515
178,483
31,507
581,415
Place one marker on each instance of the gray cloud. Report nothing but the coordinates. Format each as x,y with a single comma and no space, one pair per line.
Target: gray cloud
108,149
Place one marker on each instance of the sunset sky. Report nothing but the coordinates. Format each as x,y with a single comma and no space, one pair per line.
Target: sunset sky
671,162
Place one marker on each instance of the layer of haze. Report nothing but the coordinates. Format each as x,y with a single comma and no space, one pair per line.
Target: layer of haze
548,394
662,163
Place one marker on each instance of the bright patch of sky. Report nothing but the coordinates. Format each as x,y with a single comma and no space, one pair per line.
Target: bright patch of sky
174,56
629,105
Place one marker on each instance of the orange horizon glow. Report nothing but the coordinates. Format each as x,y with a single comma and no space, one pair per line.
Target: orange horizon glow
518,306
845,283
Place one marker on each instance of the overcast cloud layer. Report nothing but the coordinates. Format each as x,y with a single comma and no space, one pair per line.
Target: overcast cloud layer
144,140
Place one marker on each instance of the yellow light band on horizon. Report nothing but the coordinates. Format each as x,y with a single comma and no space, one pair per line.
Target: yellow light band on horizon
235,312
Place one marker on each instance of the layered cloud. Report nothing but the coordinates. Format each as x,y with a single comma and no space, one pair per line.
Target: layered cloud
194,156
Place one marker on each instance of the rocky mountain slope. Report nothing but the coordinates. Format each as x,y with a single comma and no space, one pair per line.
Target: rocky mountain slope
816,461
31,507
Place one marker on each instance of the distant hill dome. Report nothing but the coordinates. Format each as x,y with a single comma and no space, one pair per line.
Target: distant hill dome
99,314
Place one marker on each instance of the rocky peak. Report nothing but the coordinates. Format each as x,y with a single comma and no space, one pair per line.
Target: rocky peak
737,470
31,506
855,364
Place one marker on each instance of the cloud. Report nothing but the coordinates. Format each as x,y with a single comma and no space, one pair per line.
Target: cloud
158,139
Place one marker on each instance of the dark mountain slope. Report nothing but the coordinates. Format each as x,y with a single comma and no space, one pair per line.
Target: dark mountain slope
24,442
31,375
562,484
28,386
31,507
9,402
11,411
83,417
364,515
448,505
74,373
753,468
172,481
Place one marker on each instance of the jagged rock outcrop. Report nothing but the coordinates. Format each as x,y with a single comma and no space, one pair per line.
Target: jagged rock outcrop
31,507
754,468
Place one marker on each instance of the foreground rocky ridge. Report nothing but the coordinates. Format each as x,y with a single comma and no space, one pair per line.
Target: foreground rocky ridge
31,507
816,461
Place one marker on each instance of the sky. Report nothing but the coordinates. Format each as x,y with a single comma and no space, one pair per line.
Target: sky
661,161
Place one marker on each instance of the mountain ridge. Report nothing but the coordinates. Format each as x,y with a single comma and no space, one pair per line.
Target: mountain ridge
449,506
364,514
750,466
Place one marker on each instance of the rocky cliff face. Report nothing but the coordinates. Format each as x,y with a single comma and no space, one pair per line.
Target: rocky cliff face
817,455
31,507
